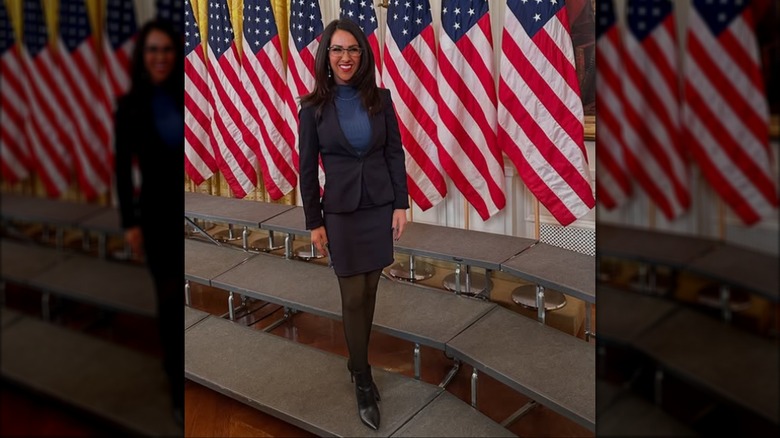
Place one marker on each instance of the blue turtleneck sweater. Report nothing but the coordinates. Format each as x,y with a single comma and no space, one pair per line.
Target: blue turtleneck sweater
353,118
168,118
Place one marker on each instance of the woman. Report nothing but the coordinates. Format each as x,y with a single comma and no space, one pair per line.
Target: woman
350,123
149,127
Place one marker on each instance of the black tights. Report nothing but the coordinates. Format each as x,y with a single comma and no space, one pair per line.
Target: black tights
358,297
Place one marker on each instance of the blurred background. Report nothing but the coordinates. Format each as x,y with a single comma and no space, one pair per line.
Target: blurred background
81,351
682,108
687,227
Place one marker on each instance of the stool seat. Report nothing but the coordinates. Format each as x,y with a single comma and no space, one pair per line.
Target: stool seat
525,296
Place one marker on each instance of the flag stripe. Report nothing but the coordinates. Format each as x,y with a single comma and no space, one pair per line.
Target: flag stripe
543,92
467,108
264,89
236,162
651,128
409,72
727,124
545,153
51,153
79,69
613,185
540,116
730,88
737,145
200,162
418,129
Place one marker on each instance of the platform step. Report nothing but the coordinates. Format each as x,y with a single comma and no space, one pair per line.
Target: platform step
123,386
110,285
107,284
449,416
21,261
193,316
551,367
310,388
623,414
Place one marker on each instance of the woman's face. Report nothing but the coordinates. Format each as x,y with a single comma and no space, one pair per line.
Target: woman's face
159,56
344,65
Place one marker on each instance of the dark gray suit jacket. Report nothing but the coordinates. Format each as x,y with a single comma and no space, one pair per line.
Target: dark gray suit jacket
381,171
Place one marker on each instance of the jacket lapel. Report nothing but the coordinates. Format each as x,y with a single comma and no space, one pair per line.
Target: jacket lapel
330,119
376,122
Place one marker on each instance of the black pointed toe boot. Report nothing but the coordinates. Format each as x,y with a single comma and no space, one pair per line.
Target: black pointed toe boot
366,399
373,384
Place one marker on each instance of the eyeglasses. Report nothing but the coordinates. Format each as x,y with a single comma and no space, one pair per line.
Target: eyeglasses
158,49
338,51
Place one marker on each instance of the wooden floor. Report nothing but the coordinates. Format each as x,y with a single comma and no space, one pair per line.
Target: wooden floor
208,413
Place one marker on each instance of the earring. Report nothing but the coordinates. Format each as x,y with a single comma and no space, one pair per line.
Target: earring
330,73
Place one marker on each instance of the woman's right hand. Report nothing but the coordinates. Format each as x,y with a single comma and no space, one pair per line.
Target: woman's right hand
320,239
135,239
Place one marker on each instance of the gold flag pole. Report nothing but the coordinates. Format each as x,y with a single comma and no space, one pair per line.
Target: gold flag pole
651,215
721,219
466,214
537,221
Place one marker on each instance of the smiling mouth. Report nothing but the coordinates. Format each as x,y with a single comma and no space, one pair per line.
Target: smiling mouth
346,67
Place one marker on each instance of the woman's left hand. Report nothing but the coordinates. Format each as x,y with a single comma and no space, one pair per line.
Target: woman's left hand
399,223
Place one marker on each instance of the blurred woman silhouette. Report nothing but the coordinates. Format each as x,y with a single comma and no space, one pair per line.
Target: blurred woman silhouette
149,128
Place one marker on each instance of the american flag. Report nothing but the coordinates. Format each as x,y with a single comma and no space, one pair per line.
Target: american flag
171,10
651,128
87,101
613,185
49,129
230,138
362,12
540,113
265,84
467,106
14,153
725,112
199,162
118,44
410,74
302,43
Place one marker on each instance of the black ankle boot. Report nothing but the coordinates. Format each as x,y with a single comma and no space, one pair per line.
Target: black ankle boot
352,379
366,399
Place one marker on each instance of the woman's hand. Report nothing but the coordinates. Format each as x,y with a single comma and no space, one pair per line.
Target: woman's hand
399,223
135,239
320,239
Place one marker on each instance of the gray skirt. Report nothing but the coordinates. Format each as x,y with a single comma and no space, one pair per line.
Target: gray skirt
360,241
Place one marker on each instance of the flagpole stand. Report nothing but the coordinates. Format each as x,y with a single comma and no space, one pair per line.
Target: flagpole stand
412,270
